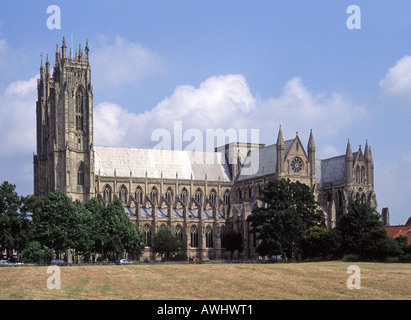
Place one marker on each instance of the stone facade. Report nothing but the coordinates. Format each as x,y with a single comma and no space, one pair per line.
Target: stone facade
65,158
198,196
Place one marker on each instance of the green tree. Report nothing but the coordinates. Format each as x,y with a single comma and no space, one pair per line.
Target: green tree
290,209
360,218
35,252
83,235
116,232
403,244
54,223
320,242
165,243
14,218
375,244
233,240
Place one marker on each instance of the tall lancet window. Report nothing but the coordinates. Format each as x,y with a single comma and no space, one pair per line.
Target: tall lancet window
79,109
80,175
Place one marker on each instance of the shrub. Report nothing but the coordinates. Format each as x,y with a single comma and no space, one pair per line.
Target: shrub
35,252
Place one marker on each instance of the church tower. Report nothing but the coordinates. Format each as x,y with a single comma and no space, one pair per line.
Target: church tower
64,109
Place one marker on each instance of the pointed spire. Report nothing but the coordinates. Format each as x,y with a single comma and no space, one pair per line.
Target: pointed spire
367,152
80,52
41,66
311,143
87,50
63,48
57,53
348,152
280,139
47,65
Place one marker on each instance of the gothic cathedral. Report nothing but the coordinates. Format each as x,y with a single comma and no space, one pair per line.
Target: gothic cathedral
197,198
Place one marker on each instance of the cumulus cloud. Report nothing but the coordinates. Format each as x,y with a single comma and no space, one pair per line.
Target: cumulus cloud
299,108
215,104
226,102
397,81
122,63
17,123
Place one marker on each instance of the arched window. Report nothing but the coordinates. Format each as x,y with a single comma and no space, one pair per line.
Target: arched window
357,174
249,192
169,195
183,196
147,235
179,233
362,175
213,196
239,193
139,195
107,193
194,236
123,194
81,174
79,109
199,196
153,196
209,237
227,197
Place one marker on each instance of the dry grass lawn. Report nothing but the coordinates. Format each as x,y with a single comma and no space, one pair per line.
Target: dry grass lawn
320,281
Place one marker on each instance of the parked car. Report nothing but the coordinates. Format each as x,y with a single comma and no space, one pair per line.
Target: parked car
272,259
122,261
59,262
198,261
6,263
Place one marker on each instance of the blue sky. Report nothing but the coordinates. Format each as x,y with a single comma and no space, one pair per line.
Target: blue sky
223,64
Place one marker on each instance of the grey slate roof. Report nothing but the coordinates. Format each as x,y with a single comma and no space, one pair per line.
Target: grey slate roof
266,158
329,170
160,163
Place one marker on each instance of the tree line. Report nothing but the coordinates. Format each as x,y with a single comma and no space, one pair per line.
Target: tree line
292,224
43,228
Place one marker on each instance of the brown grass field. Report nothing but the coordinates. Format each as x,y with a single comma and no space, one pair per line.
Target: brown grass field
283,281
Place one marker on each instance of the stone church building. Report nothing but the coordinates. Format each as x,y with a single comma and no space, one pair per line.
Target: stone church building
198,195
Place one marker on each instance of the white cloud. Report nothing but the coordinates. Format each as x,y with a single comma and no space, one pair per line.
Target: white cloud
113,125
122,63
397,81
18,114
214,104
300,109
226,102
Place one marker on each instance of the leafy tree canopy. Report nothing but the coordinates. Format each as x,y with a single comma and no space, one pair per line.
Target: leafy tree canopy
164,242
289,210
